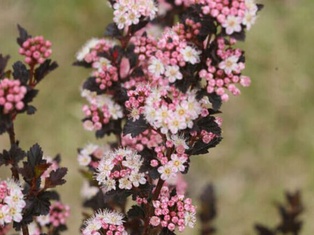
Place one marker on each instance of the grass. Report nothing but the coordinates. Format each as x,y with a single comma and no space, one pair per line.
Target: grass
268,132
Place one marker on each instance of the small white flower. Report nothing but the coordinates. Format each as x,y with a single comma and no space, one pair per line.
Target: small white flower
156,67
43,219
109,185
84,160
177,163
120,20
166,171
125,183
232,24
137,179
173,73
101,63
176,123
190,55
249,19
229,65
189,219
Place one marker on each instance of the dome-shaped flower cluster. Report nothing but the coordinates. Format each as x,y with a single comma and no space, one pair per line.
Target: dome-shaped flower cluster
12,94
36,50
173,211
105,222
11,202
120,170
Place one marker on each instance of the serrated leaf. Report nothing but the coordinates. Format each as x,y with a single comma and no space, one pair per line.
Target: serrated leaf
112,31
202,148
40,169
35,155
91,85
23,35
215,100
136,212
13,156
5,123
135,127
208,124
82,64
20,72
44,69
3,63
56,178
166,231
262,230
30,110
30,95
40,204
113,127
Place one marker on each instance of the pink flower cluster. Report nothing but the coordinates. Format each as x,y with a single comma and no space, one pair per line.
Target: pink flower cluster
105,222
36,50
173,211
227,73
57,216
164,61
12,94
105,73
231,15
148,138
100,111
120,169
189,30
127,13
11,202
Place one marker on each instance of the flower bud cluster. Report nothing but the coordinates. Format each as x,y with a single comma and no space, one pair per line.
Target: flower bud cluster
100,111
188,30
105,222
127,13
57,216
12,94
149,139
11,202
105,73
120,169
36,50
173,211
227,74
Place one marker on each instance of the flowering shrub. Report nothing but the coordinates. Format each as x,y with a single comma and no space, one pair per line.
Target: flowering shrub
25,199
158,79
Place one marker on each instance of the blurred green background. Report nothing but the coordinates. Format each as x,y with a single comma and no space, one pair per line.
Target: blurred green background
268,131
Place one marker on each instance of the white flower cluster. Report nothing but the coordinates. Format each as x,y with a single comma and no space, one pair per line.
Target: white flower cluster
120,168
11,202
174,117
105,221
129,12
